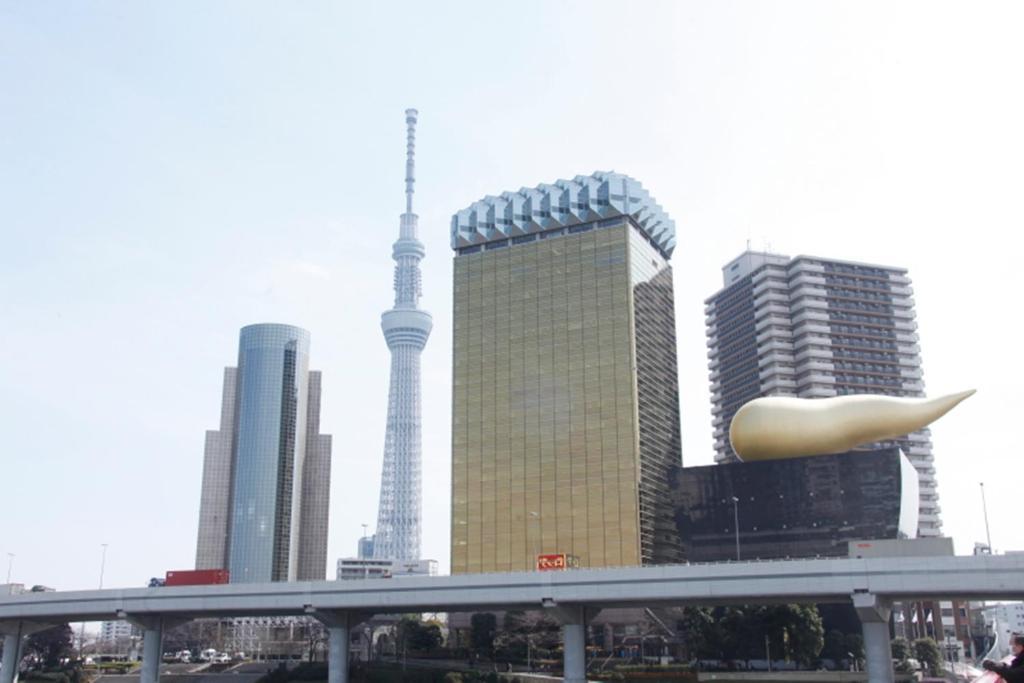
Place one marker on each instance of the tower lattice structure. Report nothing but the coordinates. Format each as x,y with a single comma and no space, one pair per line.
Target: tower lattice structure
406,329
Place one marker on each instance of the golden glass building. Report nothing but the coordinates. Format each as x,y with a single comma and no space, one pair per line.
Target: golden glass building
565,418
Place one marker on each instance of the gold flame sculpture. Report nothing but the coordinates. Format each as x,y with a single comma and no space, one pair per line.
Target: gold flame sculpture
777,427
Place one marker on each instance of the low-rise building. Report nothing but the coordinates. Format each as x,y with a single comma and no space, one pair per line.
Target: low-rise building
369,568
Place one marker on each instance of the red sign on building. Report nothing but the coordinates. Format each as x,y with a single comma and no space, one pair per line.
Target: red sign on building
556,562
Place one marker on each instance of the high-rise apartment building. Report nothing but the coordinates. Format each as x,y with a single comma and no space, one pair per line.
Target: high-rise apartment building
565,400
406,328
117,630
266,473
812,328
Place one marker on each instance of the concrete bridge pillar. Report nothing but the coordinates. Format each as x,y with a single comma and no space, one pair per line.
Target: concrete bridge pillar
14,633
153,627
152,651
12,655
874,618
339,625
574,620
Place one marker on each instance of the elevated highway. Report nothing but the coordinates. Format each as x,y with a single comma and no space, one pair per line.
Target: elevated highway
870,584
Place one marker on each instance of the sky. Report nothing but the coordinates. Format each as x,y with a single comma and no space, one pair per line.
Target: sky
171,172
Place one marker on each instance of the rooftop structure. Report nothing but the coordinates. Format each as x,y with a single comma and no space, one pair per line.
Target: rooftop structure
553,209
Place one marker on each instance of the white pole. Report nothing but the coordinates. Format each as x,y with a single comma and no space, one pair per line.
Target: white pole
984,509
736,523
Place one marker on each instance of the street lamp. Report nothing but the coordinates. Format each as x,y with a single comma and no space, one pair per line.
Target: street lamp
10,563
736,523
984,509
536,538
103,563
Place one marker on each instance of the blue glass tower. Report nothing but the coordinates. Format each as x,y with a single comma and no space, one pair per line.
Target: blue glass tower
273,363
266,477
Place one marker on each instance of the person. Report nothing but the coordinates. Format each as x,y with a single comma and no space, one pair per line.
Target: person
1014,671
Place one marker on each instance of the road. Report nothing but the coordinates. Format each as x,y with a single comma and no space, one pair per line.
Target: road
230,677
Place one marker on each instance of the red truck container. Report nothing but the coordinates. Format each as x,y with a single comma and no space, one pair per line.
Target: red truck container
196,577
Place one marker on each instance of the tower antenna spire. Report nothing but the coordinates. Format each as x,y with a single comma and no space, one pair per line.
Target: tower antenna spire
406,329
410,157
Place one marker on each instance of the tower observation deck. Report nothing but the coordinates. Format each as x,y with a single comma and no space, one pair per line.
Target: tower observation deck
406,329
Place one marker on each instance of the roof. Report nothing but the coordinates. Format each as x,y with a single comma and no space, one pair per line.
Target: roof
564,203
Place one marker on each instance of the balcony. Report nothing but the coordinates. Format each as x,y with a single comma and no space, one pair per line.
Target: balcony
799,304
810,316
769,284
807,266
808,353
806,279
778,382
772,295
775,358
817,339
816,377
812,326
822,367
772,309
782,333
807,290
817,392
770,320
775,345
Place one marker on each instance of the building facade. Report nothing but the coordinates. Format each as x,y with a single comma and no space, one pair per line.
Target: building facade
565,399
796,507
1009,616
406,328
367,568
814,328
266,474
117,631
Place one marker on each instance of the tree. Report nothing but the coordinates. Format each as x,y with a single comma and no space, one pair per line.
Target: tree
51,645
835,646
415,636
316,638
527,634
855,645
703,637
927,652
483,628
794,631
901,653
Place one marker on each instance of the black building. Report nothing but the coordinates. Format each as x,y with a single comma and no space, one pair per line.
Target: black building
801,507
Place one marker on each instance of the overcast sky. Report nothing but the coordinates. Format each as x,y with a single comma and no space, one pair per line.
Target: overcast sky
170,172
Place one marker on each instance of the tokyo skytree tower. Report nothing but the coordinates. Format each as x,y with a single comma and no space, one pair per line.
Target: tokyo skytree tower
406,329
